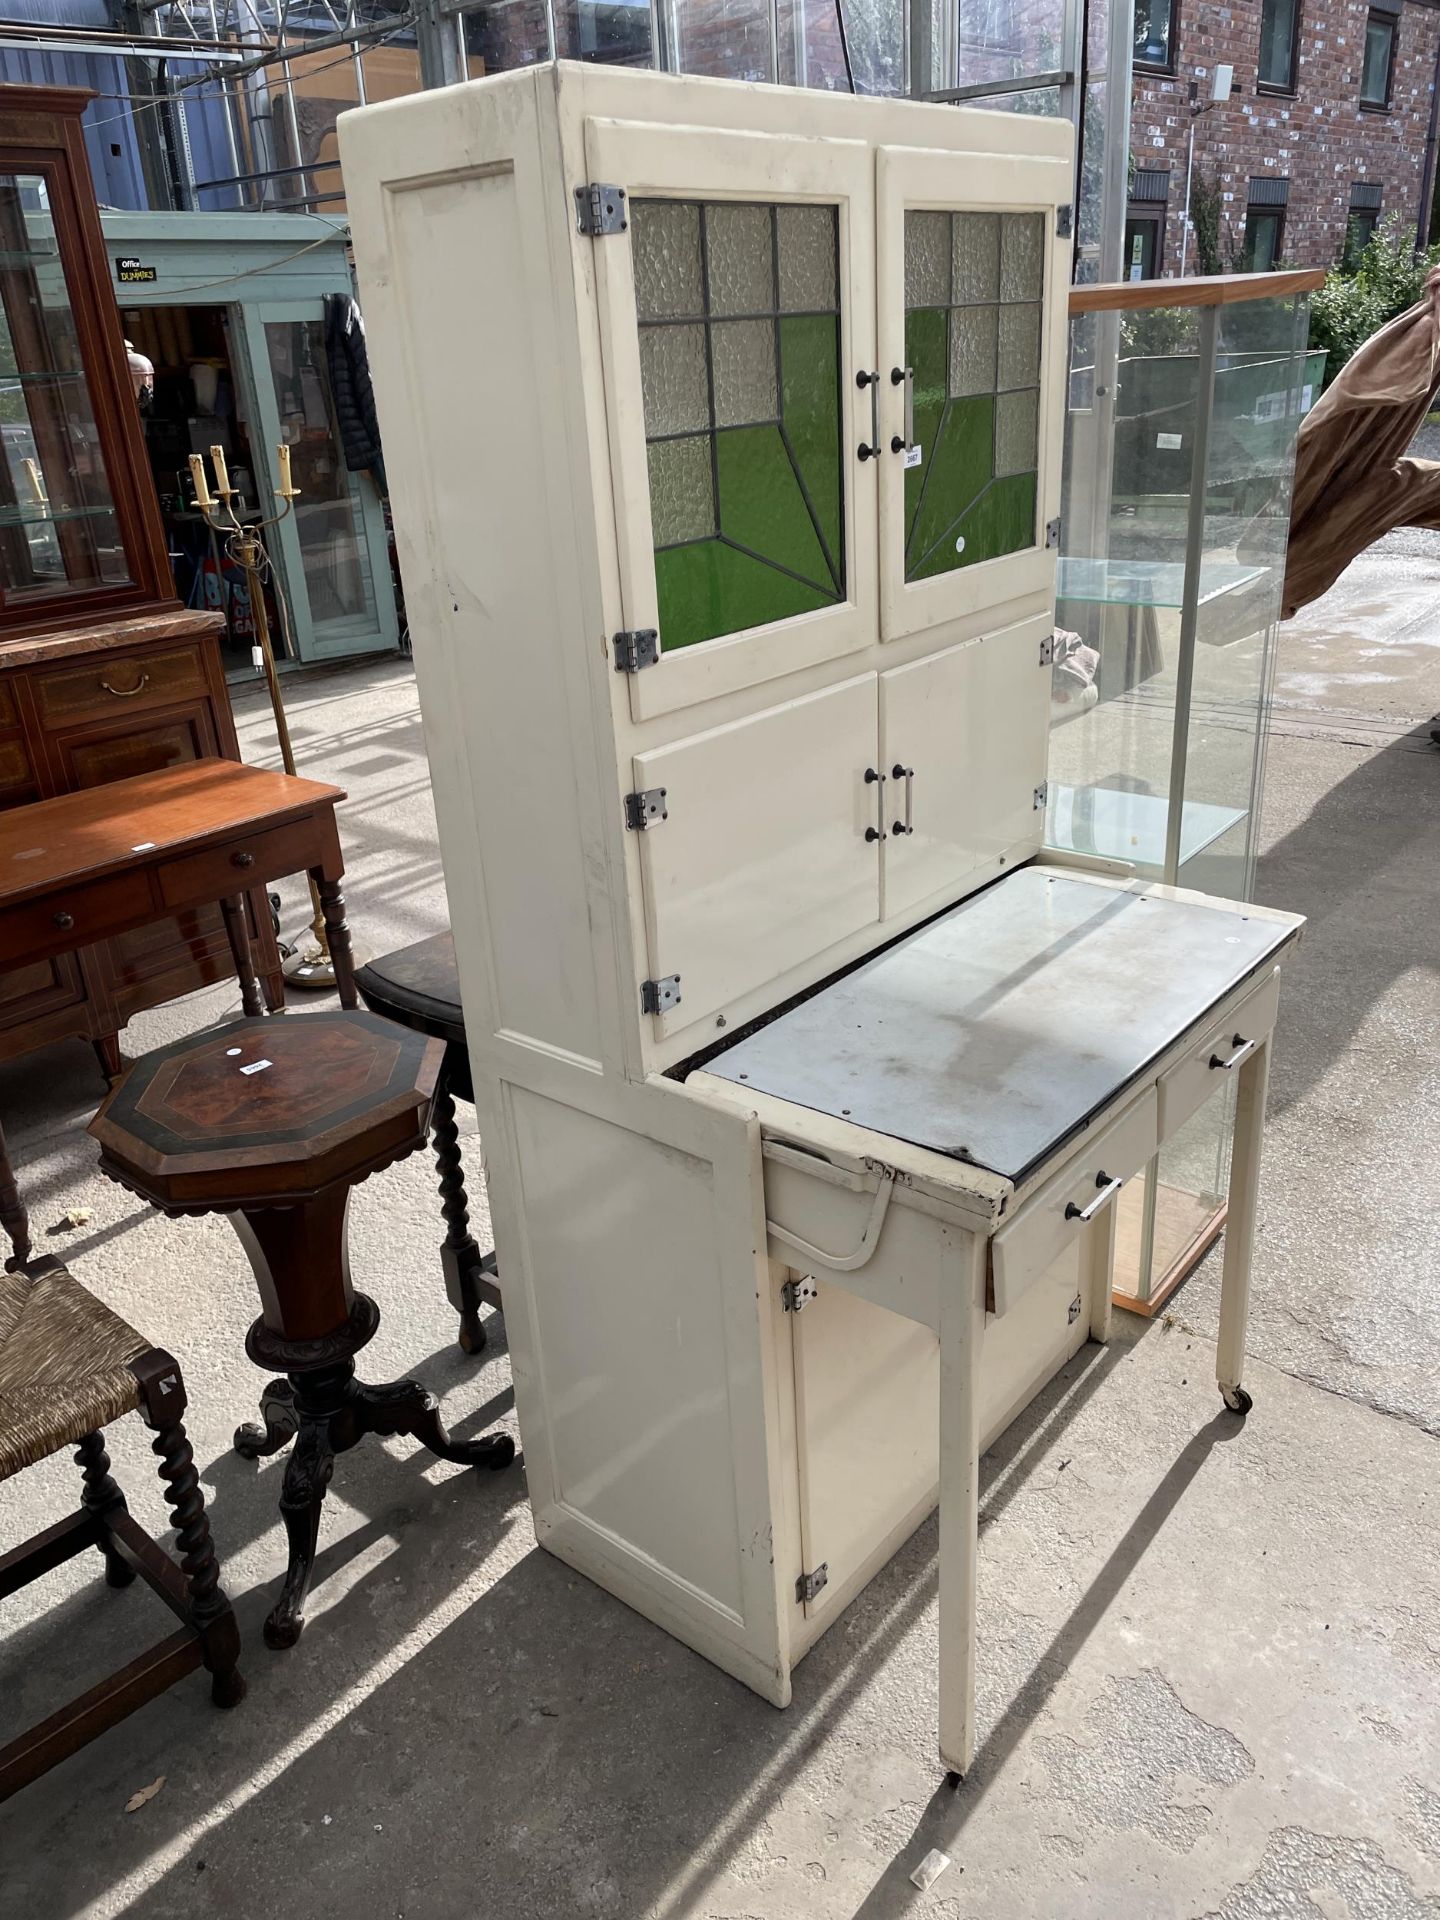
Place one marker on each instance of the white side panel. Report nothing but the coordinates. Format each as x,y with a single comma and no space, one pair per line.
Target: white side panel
763,861
457,276
969,725
867,1387
642,1264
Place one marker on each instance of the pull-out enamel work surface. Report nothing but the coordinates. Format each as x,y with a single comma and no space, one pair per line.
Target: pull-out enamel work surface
998,1030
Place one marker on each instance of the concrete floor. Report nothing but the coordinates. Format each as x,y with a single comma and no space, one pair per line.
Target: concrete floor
1210,1654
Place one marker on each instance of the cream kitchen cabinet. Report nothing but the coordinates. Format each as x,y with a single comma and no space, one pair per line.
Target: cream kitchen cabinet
724,428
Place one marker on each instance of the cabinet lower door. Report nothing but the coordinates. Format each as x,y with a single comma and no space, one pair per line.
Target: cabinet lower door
761,861
963,737
972,278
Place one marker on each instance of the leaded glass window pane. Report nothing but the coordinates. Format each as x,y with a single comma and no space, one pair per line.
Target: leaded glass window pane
738,309
973,324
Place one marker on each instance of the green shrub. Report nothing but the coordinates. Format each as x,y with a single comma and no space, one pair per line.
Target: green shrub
1388,277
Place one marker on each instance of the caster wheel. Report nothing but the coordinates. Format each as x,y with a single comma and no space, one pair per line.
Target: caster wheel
228,1689
953,1780
1237,1400
502,1452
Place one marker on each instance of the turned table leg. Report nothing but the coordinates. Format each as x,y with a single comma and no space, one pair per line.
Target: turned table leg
460,1258
233,912
13,1216
337,937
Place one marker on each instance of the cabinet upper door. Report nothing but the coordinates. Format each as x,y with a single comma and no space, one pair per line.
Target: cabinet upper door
972,285
735,311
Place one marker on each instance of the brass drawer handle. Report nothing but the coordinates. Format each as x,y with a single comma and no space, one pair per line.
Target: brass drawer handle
242,859
127,693
65,921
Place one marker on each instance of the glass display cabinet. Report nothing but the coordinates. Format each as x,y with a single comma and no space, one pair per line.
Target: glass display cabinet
80,532
1184,402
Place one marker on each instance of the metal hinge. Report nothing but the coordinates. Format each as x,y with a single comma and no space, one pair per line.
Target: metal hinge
811,1585
1047,650
796,1295
1075,1310
1052,532
658,996
1042,794
635,649
600,209
1064,221
645,809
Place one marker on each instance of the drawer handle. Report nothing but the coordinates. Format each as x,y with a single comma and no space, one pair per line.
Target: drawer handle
65,921
242,859
126,693
1108,1190
845,1262
1243,1050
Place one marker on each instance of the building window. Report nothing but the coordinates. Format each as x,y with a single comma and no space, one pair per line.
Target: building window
1264,224
1279,45
1364,217
1156,22
1378,72
1145,223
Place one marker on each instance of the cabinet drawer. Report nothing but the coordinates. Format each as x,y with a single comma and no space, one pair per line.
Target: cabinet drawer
1185,1087
108,686
14,766
219,872
1022,1250
74,918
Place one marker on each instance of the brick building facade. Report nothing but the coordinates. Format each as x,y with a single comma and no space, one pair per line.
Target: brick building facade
1295,165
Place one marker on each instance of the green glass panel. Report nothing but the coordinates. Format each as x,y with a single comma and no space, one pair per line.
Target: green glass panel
709,589
1001,521
960,466
925,354
810,414
742,389
762,506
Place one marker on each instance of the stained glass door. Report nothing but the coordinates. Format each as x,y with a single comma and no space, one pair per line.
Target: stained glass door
736,311
972,284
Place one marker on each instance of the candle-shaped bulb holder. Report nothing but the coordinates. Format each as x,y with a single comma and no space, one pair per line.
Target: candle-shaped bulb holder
204,499
288,489
222,475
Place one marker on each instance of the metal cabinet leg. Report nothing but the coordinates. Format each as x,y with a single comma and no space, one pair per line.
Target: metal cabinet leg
1244,1197
962,1330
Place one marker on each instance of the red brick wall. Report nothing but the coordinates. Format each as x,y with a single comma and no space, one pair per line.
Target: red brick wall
1321,140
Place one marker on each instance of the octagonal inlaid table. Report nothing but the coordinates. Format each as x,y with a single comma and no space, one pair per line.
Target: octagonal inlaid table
273,1123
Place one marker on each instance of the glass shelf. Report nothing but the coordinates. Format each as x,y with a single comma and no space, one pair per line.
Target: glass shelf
1148,583
44,516
1131,826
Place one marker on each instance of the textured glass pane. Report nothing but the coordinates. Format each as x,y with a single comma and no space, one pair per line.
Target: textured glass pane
1017,432
977,256
665,249
744,362
927,259
1019,346
672,379
807,259
972,349
762,505
741,272
1022,251
960,465
810,411
682,491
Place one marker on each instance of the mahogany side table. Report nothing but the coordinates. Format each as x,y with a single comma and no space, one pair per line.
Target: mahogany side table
273,1123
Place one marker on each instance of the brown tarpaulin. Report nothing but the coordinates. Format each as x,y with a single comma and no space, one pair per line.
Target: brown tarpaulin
1354,479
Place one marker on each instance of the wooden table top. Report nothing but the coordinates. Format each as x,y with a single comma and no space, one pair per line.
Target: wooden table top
147,819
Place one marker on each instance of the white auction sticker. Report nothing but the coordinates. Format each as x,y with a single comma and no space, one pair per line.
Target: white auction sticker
257,1066
145,846
913,456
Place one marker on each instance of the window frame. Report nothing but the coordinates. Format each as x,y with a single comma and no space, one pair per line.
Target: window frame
1149,213
1263,209
1391,20
1285,89
1172,39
